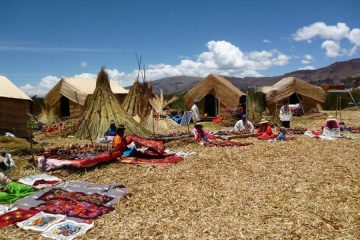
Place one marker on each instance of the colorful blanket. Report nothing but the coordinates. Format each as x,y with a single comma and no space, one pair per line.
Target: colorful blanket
226,144
15,191
39,180
18,215
57,193
72,208
41,221
51,163
66,230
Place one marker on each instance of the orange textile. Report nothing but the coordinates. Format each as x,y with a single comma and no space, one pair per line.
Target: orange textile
264,133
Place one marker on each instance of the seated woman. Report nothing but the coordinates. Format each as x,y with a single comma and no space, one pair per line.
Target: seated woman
121,142
243,125
112,129
199,133
264,131
331,128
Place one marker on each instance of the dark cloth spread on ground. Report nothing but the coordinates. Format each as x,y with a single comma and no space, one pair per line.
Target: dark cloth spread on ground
151,158
72,208
57,193
226,143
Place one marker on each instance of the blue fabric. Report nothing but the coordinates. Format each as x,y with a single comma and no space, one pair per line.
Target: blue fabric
110,132
281,137
177,118
127,152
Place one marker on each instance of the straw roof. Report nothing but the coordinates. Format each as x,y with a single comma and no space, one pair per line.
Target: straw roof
101,107
287,86
136,102
224,90
77,89
9,90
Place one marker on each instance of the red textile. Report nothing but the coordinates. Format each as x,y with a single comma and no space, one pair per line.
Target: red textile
157,146
57,193
42,181
19,215
218,120
73,208
264,132
226,143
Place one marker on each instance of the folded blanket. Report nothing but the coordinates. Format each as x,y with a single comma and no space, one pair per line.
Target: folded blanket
66,230
39,180
41,221
18,215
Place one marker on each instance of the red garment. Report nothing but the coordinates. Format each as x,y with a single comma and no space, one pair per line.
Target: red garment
19,215
218,119
264,132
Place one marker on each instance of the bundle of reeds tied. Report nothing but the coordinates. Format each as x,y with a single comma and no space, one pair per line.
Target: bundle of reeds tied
136,102
101,107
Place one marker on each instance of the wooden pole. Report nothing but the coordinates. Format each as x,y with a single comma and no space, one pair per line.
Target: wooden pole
302,107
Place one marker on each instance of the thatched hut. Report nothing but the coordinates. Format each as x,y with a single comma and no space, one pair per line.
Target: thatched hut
14,107
294,91
136,102
103,106
68,96
215,93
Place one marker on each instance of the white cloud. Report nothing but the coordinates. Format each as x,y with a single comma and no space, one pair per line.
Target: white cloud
42,87
320,29
266,40
307,68
333,34
332,48
222,57
354,36
83,64
307,58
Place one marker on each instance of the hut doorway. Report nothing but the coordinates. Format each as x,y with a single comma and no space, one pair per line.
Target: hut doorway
211,105
294,99
64,107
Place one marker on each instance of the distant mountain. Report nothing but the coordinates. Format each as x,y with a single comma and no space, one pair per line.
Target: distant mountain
336,72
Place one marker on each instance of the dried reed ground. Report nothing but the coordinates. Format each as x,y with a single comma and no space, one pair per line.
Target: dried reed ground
303,189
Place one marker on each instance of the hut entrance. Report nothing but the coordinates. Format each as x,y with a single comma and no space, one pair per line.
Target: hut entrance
294,99
211,105
64,107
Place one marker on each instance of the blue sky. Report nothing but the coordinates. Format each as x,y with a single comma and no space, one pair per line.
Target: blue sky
41,41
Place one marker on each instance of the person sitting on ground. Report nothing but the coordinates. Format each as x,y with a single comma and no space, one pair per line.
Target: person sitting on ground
264,131
281,135
243,125
123,143
112,129
199,133
331,127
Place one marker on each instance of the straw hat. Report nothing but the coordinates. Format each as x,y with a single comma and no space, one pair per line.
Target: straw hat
263,121
198,125
196,100
331,118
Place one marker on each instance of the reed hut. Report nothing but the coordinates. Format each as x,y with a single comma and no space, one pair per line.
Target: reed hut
294,90
136,102
68,96
215,93
14,107
103,106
